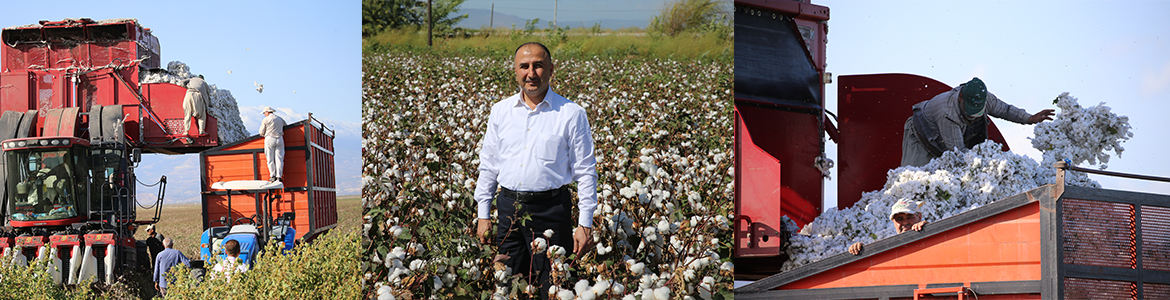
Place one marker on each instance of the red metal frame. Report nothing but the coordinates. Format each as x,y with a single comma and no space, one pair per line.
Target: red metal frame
872,111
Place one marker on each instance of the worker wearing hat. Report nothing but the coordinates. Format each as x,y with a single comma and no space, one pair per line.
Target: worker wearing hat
957,119
906,216
154,242
272,128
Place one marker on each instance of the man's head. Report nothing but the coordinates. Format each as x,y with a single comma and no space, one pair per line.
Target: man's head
268,110
534,67
974,95
150,229
232,248
168,242
904,214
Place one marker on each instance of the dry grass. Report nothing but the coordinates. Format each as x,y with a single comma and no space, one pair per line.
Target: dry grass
184,222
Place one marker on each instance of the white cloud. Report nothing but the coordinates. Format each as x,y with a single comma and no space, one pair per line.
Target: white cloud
1154,82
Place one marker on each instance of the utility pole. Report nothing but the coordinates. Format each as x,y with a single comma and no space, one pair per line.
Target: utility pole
555,3
430,24
492,19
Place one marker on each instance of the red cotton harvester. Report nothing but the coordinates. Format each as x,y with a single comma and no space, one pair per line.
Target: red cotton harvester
75,121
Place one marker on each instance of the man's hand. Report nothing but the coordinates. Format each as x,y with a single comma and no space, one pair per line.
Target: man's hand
918,226
582,240
855,249
156,287
481,231
1041,116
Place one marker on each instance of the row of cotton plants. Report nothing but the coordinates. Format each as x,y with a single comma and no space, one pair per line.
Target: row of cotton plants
662,131
965,180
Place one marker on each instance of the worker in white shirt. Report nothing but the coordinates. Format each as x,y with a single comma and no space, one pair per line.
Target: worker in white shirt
536,144
272,128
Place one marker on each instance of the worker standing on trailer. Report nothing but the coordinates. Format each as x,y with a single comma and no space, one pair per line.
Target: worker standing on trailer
272,128
195,104
957,119
906,216
166,259
537,143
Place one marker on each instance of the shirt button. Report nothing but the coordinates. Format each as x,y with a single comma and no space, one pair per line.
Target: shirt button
529,129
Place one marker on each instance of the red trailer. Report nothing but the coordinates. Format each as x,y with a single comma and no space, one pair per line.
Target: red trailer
310,187
1052,242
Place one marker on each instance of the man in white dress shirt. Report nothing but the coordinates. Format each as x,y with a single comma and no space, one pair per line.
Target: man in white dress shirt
272,128
536,144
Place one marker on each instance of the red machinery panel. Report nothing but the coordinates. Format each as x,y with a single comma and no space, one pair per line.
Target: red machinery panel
873,109
775,149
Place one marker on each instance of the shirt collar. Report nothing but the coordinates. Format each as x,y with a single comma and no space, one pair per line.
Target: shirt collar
549,99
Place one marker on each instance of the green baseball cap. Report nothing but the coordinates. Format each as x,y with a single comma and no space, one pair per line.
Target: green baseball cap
974,95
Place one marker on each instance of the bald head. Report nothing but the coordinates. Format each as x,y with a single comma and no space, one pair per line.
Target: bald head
547,54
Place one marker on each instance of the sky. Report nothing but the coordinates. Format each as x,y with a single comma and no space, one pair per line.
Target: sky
1027,53
570,11
307,54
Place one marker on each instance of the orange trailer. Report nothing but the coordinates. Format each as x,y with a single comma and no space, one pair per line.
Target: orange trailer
310,187
1052,242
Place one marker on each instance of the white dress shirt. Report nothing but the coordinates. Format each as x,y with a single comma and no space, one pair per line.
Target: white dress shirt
538,150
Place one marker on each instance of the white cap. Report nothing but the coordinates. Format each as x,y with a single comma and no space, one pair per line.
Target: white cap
150,227
268,109
905,206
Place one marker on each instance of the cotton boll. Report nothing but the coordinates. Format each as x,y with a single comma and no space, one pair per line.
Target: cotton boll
618,288
565,295
548,233
384,293
637,268
648,294
662,293
581,286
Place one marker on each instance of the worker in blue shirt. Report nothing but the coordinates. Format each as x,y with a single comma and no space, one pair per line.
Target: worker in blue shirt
166,259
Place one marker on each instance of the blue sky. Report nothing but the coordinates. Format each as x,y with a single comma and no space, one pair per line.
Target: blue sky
312,48
1027,52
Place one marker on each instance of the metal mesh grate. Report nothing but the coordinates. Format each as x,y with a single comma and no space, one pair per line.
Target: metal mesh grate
1156,238
1080,288
1156,291
1098,233
174,126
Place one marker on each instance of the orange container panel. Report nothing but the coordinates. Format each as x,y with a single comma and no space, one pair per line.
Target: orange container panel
309,187
1004,247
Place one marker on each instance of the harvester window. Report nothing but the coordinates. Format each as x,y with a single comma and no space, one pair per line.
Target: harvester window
65,35
22,36
108,32
41,184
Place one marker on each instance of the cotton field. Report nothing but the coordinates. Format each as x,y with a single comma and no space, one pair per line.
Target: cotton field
962,181
662,131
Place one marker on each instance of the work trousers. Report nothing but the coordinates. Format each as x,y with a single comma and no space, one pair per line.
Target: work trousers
274,153
554,213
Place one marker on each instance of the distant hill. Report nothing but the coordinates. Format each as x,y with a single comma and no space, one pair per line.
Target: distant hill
478,18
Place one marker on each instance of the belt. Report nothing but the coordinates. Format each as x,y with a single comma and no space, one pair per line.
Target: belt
525,197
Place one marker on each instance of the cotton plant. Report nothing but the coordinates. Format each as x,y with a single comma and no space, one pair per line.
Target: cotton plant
960,181
663,147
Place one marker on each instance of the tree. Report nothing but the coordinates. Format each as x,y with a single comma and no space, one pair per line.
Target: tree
378,15
691,15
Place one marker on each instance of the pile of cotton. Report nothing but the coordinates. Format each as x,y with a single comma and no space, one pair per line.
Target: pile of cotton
960,181
222,105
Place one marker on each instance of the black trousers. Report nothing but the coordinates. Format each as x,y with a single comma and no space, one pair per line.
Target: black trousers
554,213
